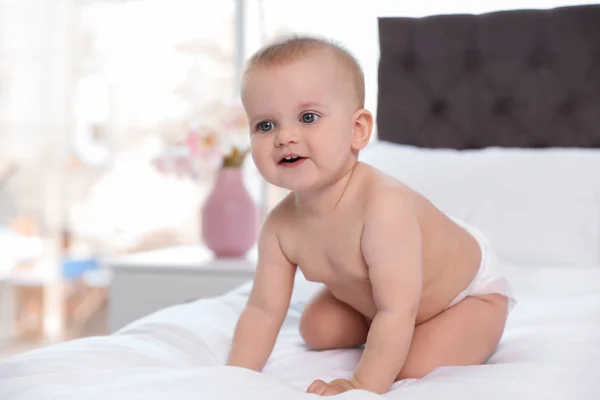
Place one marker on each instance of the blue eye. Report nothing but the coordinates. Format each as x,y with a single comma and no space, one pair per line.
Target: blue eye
309,118
265,126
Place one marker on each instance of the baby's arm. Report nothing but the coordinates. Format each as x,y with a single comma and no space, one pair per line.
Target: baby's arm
391,245
261,319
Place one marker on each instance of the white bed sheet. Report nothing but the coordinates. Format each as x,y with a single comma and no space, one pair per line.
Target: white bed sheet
550,350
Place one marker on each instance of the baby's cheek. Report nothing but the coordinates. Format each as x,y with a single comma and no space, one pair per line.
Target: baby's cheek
257,151
262,160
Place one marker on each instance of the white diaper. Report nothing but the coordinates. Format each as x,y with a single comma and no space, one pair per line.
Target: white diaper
489,278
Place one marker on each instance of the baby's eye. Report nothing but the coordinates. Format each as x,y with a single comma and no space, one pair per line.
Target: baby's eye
309,118
265,126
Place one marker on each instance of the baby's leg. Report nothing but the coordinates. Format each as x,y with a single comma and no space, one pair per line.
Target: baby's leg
465,334
328,323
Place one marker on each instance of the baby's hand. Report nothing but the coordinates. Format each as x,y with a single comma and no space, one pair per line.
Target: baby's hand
332,388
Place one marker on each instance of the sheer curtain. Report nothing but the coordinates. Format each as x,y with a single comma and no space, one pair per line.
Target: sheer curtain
35,83
36,70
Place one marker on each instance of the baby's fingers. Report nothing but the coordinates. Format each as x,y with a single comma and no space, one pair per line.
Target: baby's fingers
317,387
332,390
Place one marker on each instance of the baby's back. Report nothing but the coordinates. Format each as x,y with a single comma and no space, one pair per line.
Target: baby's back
328,248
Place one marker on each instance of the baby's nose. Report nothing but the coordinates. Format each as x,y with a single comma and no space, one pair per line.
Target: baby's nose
286,136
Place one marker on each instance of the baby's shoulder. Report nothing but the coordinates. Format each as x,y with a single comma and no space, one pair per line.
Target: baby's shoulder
280,215
383,192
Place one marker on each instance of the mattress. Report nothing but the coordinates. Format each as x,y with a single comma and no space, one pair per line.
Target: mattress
550,350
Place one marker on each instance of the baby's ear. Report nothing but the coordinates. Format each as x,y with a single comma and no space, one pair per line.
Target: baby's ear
361,129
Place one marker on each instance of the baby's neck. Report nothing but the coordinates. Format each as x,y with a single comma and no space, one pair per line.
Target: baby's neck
325,200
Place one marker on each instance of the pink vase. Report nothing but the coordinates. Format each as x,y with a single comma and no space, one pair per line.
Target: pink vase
229,216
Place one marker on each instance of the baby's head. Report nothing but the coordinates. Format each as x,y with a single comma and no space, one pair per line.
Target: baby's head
304,97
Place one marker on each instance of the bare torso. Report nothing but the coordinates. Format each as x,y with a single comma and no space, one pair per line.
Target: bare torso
328,250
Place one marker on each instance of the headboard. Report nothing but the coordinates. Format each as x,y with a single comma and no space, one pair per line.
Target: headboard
522,78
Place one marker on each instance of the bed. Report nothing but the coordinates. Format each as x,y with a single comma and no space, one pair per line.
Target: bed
496,118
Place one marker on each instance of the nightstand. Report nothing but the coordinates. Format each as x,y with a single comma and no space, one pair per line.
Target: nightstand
143,283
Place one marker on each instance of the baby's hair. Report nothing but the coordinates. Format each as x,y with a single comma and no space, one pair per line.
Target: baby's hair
290,48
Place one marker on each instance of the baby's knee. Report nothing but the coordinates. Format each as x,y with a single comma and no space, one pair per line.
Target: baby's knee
315,331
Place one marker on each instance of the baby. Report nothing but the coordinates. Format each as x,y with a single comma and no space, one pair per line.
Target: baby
414,286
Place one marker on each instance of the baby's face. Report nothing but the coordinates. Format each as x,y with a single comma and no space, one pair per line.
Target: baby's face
301,121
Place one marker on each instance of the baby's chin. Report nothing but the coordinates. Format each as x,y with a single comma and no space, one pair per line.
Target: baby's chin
294,185
291,186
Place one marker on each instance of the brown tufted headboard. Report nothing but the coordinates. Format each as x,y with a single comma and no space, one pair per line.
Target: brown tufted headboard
522,78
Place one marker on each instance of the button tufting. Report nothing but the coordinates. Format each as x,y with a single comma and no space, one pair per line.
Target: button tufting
473,59
439,108
504,106
538,59
540,91
409,61
568,106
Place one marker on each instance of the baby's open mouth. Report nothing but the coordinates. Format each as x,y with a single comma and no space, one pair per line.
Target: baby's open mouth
291,159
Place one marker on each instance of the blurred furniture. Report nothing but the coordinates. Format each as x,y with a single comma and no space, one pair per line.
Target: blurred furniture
6,311
54,310
143,283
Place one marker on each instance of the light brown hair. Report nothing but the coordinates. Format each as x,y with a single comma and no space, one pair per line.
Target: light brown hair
290,48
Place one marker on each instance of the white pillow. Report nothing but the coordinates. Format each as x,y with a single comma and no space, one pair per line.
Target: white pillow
537,206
